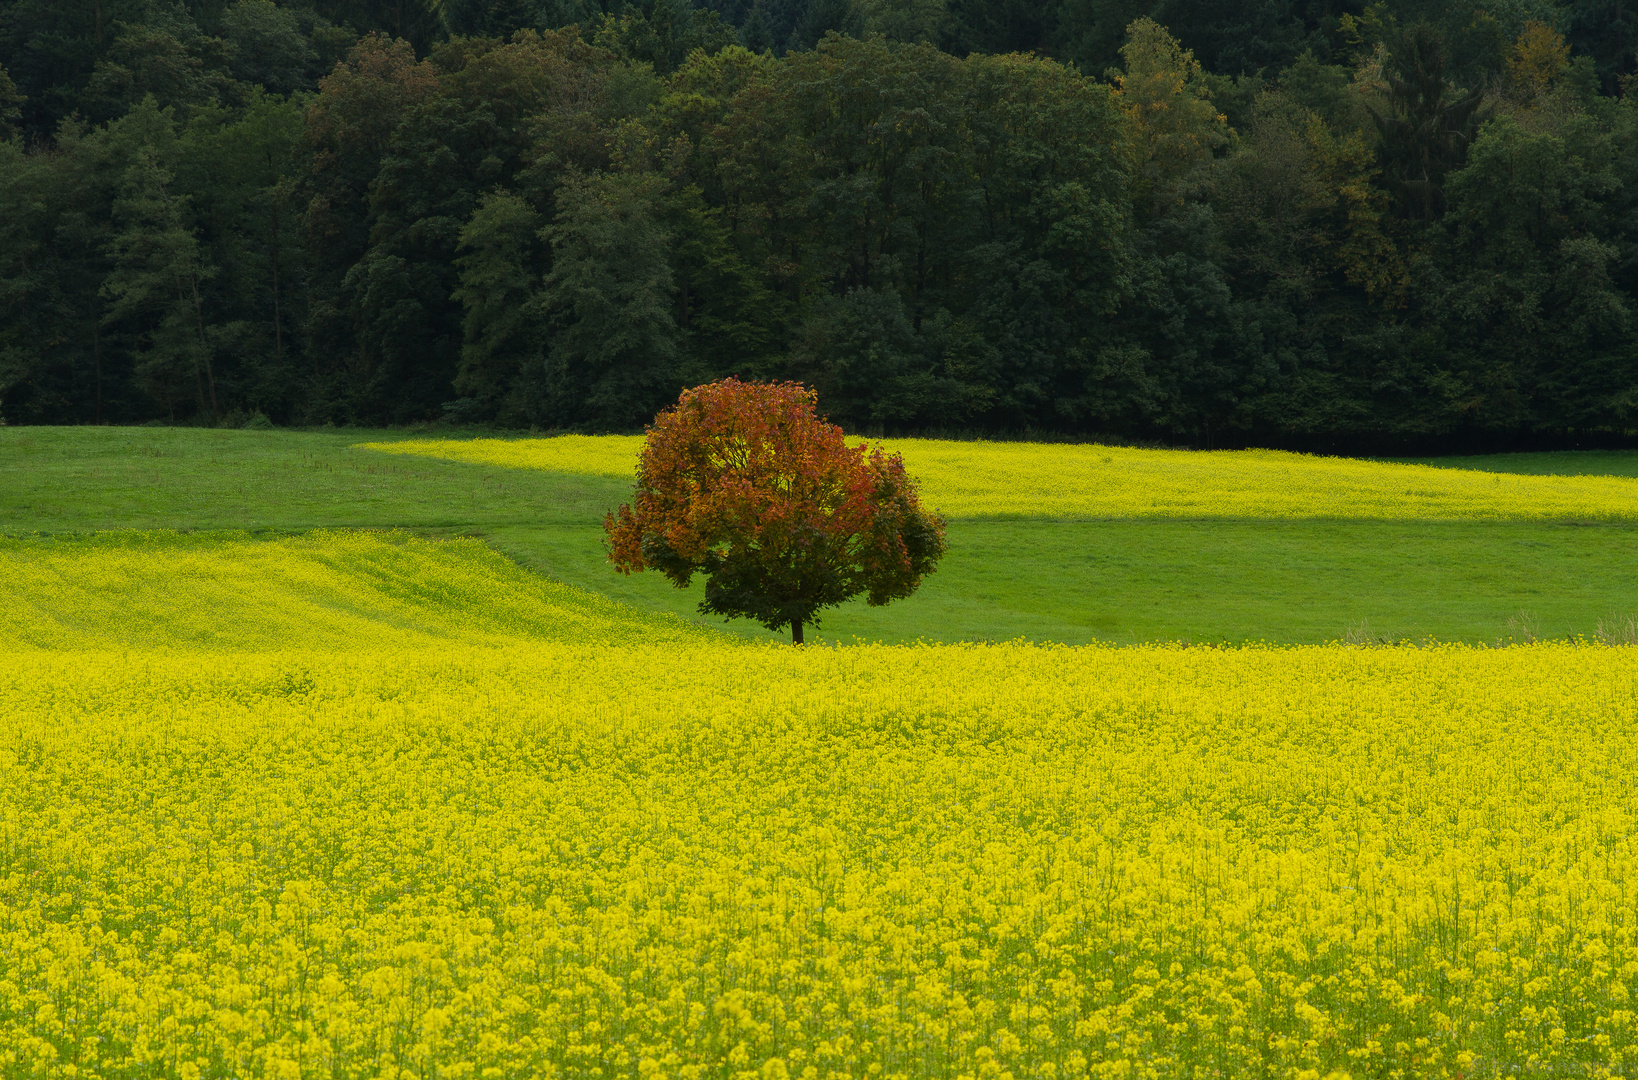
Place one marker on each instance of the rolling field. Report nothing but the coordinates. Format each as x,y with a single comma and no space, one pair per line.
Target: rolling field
328,590
1044,480
1076,578
386,807
283,798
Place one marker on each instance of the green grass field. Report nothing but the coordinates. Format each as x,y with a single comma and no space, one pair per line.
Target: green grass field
1063,579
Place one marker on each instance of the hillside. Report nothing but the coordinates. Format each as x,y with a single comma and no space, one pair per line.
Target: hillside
1091,574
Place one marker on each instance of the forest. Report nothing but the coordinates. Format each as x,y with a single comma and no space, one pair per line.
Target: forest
1315,224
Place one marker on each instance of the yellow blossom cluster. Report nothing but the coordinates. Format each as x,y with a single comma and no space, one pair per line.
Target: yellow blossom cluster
493,848
323,590
1010,479
589,455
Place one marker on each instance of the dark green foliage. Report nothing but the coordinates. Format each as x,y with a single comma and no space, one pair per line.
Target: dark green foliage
420,22
11,106
662,33
504,335
729,318
153,290
1329,226
50,47
490,18
266,46
756,35
238,166
823,17
1537,321
613,358
1426,126
1606,31
166,58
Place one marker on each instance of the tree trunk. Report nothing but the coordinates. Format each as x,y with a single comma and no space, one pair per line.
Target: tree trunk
796,631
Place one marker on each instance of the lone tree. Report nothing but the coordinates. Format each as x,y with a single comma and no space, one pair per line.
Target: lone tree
745,483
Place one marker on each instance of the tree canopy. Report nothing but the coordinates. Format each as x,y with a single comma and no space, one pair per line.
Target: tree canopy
1346,226
746,484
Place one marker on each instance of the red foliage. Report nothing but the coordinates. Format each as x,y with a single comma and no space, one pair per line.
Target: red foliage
745,483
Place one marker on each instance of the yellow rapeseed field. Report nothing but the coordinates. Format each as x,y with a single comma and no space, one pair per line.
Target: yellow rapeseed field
327,590
983,479
444,820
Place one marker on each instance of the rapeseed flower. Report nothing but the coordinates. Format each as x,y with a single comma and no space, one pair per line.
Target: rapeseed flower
985,479
443,822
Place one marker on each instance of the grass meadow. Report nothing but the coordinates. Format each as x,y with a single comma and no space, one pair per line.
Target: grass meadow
1479,564
320,759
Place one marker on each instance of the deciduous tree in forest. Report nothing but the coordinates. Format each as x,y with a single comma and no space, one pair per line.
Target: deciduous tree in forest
503,325
349,130
609,298
747,484
1538,59
168,59
11,105
266,46
1164,91
155,283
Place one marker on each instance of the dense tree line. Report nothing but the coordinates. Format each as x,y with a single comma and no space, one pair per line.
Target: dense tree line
1300,222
